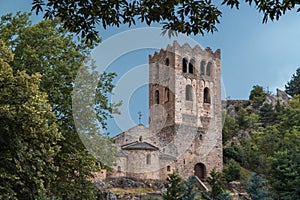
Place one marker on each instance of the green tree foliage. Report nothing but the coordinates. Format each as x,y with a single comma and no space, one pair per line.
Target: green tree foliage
150,198
232,171
293,86
175,187
271,9
271,146
252,121
29,135
257,96
46,48
256,150
279,109
246,120
178,189
251,157
267,114
284,175
290,118
277,147
284,163
232,152
267,140
189,193
242,117
188,16
230,129
217,192
257,188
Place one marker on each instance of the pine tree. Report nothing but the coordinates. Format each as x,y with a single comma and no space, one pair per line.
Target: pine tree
267,114
175,187
230,129
189,193
241,119
293,86
232,171
216,181
257,96
257,188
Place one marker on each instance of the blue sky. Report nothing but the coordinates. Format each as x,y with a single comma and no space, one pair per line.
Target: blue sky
252,53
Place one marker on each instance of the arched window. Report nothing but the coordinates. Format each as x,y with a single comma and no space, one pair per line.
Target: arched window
167,62
156,96
167,94
184,65
202,67
191,66
188,93
119,168
148,159
208,69
156,71
206,95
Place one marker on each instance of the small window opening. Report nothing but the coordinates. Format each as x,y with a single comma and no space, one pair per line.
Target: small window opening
157,97
167,62
191,66
168,168
206,95
184,65
157,71
202,67
188,93
148,159
141,139
208,69
167,94
119,168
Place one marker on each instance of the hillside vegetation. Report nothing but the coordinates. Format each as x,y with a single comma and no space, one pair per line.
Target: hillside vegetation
263,135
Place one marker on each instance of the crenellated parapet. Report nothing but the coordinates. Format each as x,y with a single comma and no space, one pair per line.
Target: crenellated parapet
187,49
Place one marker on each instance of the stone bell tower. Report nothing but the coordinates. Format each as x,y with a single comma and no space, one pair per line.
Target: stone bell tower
185,107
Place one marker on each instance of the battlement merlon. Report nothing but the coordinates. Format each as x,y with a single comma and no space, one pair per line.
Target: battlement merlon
187,48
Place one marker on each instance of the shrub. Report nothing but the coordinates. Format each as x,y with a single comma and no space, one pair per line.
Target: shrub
232,171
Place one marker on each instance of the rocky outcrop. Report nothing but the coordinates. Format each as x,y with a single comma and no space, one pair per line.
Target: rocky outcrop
106,195
125,182
107,188
280,97
231,111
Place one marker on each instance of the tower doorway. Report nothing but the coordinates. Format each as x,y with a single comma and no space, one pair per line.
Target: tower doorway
200,171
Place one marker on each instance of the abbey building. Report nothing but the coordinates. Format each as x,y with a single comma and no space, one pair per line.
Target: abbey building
185,118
